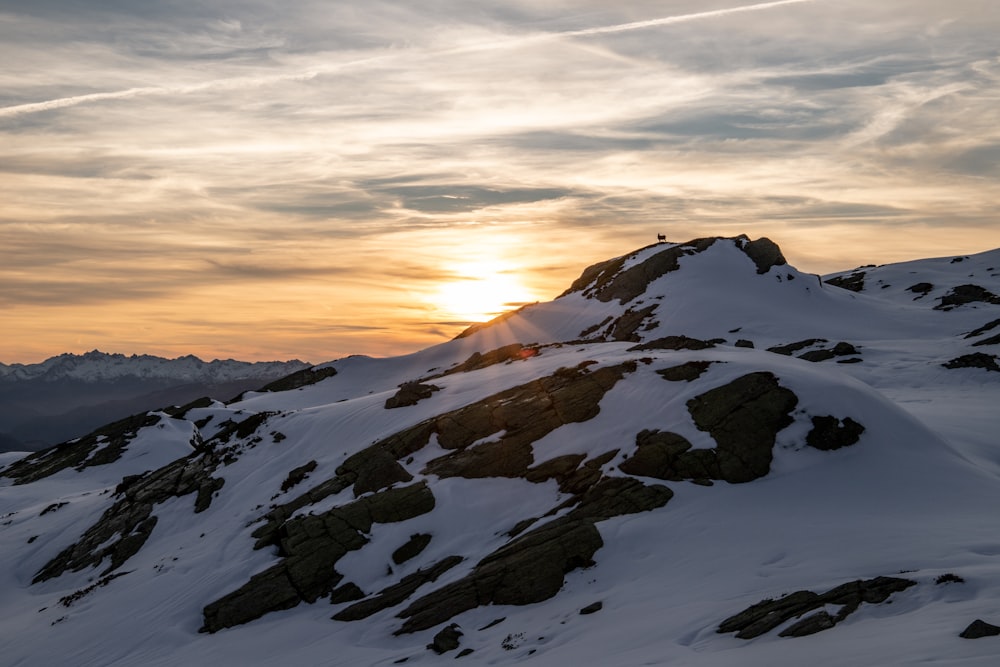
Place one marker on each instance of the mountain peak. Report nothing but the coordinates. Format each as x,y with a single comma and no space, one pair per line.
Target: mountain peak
626,277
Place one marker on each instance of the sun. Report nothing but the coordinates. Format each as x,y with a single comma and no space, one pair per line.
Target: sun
481,291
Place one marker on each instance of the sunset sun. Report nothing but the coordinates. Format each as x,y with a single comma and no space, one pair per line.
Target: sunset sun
480,292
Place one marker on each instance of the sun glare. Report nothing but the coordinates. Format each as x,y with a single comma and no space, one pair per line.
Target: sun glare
480,292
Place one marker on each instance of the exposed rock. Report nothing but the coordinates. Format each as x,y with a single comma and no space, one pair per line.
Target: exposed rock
992,340
743,342
477,361
673,343
839,350
686,372
349,592
103,446
658,454
303,378
979,629
949,578
372,469
624,327
965,294
974,360
410,393
181,412
765,616
989,326
523,414
607,281
127,524
393,595
923,289
765,253
310,546
854,282
792,348
744,418
809,625
446,640
296,475
417,543
829,433
530,568
592,608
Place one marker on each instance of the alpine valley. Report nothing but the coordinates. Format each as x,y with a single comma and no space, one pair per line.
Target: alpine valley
697,455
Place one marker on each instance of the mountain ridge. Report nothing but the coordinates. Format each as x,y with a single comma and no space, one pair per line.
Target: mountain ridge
622,481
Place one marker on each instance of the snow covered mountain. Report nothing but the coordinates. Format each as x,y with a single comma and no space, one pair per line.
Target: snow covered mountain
96,366
697,455
69,395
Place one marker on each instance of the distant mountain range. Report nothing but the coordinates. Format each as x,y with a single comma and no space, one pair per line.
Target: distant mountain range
697,455
69,395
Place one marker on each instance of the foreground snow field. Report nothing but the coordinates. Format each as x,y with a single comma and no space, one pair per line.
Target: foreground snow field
690,430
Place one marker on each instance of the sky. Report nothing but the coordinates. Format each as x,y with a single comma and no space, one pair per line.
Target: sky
306,179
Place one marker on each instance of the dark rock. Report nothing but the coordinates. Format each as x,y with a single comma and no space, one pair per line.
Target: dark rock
417,543
592,608
764,616
589,331
624,328
446,640
743,342
921,288
979,629
348,592
181,412
464,652
989,326
854,282
992,340
765,253
792,348
657,455
965,294
125,526
974,360
477,361
296,475
311,545
673,343
372,469
686,372
853,360
608,280
410,393
303,378
102,446
393,595
810,625
744,418
829,433
949,578
817,355
531,567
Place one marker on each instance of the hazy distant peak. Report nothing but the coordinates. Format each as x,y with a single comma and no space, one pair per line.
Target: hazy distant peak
96,366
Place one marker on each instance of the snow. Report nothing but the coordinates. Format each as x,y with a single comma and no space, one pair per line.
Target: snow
916,497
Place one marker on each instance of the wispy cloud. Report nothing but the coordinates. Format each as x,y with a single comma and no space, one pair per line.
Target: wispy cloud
324,166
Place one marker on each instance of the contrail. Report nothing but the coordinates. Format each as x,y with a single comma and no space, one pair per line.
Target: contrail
249,82
683,18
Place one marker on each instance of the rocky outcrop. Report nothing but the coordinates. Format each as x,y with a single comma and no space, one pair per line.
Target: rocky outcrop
674,343
298,379
310,546
979,629
127,524
686,372
624,328
921,289
767,615
829,433
744,418
989,326
477,360
103,446
765,254
446,640
410,393
855,282
531,568
393,595
841,349
965,294
412,548
791,348
975,360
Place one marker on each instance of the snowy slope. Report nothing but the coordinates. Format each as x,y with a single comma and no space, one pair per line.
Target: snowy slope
902,481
